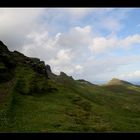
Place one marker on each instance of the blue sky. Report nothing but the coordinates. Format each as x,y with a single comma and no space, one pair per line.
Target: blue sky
95,44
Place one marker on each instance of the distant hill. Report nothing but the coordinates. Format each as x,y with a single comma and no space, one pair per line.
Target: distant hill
34,99
115,81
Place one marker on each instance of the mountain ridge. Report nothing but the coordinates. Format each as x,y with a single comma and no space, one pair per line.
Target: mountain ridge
41,67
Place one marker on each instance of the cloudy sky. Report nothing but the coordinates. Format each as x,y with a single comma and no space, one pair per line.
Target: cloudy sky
95,44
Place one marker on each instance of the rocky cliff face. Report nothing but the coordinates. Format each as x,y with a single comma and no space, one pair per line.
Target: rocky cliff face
10,60
3,48
65,76
48,68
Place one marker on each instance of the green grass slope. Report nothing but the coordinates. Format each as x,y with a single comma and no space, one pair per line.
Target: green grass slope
32,102
82,108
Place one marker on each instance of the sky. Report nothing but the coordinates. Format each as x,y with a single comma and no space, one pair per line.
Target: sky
95,44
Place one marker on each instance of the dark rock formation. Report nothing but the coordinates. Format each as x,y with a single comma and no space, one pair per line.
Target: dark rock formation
38,65
82,81
48,68
15,58
50,74
3,48
64,75
6,63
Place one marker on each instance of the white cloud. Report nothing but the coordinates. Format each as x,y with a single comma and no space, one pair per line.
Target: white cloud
102,44
16,23
41,45
130,40
13,17
63,57
69,52
78,67
134,75
64,62
62,51
98,69
64,38
76,37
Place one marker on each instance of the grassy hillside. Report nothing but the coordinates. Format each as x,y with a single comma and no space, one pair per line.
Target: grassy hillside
32,102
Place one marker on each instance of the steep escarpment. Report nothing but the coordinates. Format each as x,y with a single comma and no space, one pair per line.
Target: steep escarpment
9,61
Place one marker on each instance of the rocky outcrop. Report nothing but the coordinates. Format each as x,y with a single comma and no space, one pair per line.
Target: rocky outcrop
51,75
48,68
64,75
3,48
82,81
12,59
6,63
38,65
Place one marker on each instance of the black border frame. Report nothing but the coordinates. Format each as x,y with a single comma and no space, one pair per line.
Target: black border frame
69,3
